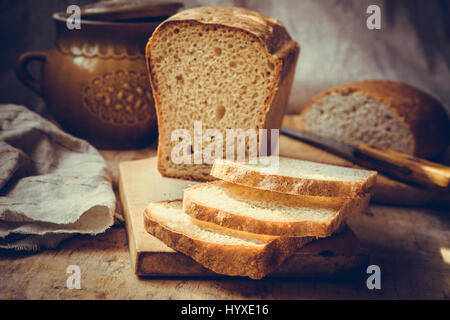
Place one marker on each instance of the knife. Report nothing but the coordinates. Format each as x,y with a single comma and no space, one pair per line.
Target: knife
389,162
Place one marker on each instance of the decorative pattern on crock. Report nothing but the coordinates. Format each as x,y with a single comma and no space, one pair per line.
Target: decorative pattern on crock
101,48
120,98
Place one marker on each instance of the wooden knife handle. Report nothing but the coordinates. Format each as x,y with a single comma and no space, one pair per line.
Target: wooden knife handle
406,167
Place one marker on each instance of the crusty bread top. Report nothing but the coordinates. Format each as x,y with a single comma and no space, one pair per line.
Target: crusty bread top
303,169
407,101
264,205
420,112
297,177
267,29
170,214
270,213
219,249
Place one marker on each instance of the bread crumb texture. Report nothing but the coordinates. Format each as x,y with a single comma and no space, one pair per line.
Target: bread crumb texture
214,65
388,113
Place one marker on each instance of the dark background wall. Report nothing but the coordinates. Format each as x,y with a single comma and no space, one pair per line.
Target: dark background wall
27,25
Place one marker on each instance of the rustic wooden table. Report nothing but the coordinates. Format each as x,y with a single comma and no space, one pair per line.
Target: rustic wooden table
410,245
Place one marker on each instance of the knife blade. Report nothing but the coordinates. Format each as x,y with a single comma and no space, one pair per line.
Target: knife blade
392,163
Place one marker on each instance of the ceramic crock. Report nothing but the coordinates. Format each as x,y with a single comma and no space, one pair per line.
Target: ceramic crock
95,81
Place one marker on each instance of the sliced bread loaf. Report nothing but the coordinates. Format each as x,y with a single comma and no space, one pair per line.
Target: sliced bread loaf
229,68
271,213
298,177
386,113
219,249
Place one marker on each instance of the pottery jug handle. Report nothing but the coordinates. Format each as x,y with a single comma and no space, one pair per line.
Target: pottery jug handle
22,70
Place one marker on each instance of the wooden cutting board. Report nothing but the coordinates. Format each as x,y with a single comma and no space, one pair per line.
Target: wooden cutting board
140,183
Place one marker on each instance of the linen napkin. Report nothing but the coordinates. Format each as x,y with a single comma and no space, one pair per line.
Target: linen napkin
52,185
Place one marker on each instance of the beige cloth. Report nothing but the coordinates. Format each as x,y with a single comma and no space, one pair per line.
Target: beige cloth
52,185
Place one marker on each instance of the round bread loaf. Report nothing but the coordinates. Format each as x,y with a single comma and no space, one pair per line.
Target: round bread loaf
386,113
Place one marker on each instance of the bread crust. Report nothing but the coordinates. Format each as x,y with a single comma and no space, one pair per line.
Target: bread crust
274,41
234,260
268,30
290,185
233,220
421,113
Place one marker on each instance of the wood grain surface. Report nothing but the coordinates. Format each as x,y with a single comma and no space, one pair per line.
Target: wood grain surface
411,246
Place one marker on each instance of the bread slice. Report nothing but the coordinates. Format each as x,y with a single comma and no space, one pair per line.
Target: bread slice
386,113
219,249
297,177
272,213
229,68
